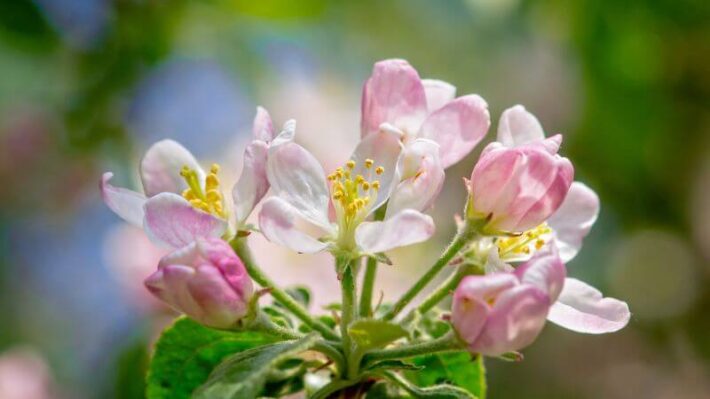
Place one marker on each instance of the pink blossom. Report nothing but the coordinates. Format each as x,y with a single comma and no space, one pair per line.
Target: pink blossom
298,215
205,280
518,188
503,312
181,201
396,99
24,374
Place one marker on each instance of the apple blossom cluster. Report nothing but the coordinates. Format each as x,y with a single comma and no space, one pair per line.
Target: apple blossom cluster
525,217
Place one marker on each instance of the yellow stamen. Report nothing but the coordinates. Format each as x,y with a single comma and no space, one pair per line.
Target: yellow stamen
208,198
350,164
369,163
379,170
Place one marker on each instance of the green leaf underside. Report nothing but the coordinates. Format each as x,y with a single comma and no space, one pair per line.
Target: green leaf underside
370,334
455,368
243,375
392,365
187,352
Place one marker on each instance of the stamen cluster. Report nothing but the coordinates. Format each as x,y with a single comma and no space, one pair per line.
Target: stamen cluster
353,195
521,244
210,199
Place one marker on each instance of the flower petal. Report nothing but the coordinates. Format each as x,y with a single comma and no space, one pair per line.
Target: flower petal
171,220
405,228
263,128
393,94
457,127
573,220
161,166
169,283
253,183
438,93
583,309
125,203
383,147
296,176
517,126
421,177
277,221
514,322
545,271
220,305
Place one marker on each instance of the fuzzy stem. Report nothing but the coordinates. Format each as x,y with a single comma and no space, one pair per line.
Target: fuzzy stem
447,343
348,313
368,285
281,296
467,233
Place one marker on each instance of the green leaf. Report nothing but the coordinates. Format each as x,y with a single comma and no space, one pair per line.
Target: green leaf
187,352
392,365
301,294
385,390
370,333
243,376
441,391
456,368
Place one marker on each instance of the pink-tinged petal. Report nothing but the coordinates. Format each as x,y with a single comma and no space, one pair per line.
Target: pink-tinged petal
517,126
161,166
582,308
393,94
471,299
220,306
493,181
457,127
405,228
438,93
421,177
279,223
296,176
574,219
169,284
125,203
171,220
545,271
548,203
253,183
495,265
263,128
514,322
383,147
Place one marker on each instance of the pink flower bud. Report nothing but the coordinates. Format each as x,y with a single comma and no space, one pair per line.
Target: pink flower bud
206,281
503,312
519,188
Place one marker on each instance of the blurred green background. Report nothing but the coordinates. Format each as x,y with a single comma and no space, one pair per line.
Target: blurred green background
87,85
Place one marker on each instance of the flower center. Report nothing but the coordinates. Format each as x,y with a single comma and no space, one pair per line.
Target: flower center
531,240
208,199
353,195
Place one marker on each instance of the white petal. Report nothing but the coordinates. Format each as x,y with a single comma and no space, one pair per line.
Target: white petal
296,176
161,166
517,126
383,147
438,93
458,127
171,220
405,228
495,265
573,220
253,183
422,177
125,203
263,128
582,308
277,221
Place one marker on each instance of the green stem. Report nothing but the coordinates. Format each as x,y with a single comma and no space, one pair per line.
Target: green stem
447,343
462,238
264,323
443,290
368,284
348,314
281,296
333,387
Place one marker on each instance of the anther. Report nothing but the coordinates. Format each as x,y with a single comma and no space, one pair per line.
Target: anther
369,162
350,164
379,170
376,184
214,168
365,185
